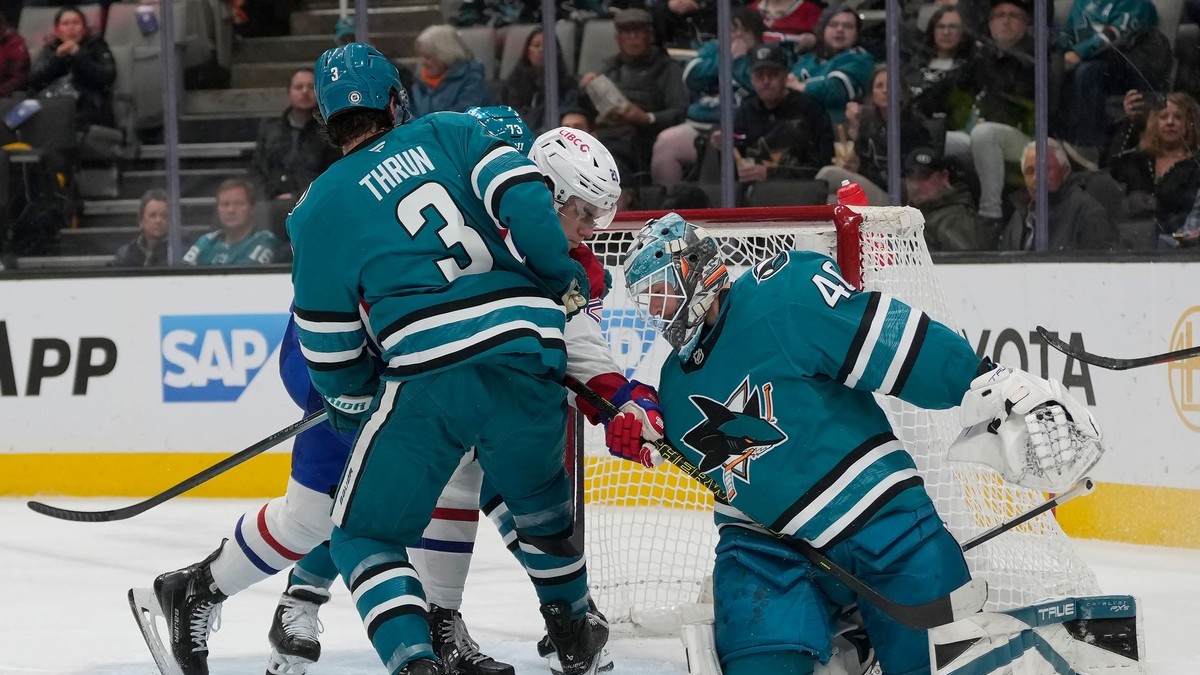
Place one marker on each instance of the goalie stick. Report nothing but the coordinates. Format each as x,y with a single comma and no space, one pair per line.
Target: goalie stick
962,602
1111,363
1085,486
202,477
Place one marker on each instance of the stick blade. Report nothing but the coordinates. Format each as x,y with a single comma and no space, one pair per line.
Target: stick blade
71,515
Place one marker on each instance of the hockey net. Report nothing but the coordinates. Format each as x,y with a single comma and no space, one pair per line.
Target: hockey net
650,537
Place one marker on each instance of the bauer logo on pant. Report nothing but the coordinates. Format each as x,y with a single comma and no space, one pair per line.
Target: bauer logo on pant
215,357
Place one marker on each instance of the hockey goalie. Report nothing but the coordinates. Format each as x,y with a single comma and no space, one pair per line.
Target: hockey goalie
772,383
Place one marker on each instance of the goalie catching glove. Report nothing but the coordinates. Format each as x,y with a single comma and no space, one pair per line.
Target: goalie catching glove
632,433
1033,431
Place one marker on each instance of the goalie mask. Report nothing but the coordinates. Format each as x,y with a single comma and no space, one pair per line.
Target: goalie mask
673,272
583,175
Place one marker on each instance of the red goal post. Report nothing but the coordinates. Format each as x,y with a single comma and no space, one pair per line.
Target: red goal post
649,534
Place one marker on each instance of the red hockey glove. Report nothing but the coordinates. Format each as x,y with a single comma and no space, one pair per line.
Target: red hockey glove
631,434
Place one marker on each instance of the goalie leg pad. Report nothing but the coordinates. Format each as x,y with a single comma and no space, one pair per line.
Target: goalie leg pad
1088,635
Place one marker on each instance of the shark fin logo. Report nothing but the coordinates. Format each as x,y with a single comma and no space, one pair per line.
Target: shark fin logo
735,433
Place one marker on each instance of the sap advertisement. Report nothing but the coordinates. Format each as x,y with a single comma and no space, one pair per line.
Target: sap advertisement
145,364
189,364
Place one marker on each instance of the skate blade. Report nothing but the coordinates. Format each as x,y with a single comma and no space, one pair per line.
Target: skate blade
602,664
146,611
283,664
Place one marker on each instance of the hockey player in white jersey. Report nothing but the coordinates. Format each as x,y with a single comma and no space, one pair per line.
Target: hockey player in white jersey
584,181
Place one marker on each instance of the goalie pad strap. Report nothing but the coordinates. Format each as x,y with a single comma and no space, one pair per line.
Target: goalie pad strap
1088,635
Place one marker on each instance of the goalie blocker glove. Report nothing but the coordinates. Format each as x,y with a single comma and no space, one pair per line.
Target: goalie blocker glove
1031,430
632,433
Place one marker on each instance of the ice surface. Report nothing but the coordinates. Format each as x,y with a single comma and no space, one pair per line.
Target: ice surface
63,608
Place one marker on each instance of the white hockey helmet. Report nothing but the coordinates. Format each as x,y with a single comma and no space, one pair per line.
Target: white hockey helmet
580,166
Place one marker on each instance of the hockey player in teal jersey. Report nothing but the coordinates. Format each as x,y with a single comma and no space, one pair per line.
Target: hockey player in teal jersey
450,238
772,393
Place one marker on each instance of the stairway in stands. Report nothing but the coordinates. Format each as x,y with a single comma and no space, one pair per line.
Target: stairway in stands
217,128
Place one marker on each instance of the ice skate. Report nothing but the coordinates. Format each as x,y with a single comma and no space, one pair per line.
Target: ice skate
190,604
453,644
424,667
579,643
295,631
546,648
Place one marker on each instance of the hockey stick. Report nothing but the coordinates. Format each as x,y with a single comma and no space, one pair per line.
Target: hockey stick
1111,363
1085,486
202,477
961,602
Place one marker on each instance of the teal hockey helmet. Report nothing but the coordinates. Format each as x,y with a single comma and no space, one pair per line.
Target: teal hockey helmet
357,76
673,272
504,123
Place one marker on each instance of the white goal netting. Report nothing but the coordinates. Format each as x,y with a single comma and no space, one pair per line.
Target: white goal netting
649,534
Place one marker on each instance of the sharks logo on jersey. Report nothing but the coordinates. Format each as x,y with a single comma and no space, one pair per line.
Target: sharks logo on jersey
735,433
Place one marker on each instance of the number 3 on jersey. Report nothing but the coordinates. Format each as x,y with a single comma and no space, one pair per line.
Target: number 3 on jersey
431,204
831,289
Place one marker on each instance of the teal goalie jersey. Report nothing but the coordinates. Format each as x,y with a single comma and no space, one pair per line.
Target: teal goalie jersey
777,400
449,241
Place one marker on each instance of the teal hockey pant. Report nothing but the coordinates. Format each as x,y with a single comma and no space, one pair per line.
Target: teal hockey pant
769,598
415,434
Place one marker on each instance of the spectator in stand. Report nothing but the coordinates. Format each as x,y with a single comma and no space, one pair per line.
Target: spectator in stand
1001,81
1077,220
577,118
238,241
1108,48
862,157
450,78
1161,173
780,133
345,29
289,153
951,221
684,24
653,85
497,13
790,20
675,149
14,60
1188,236
934,78
500,14
149,247
837,71
76,62
525,88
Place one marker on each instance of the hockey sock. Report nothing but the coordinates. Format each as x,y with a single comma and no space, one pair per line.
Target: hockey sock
271,539
388,596
443,554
